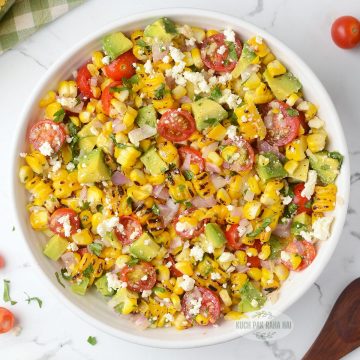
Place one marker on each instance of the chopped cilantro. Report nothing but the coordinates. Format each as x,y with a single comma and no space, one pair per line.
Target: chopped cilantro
133,261
232,51
96,248
118,89
292,112
290,210
216,93
74,144
34,298
65,274
266,222
58,279
129,201
188,174
188,204
88,271
143,44
59,115
233,118
6,293
211,121
92,340
197,97
160,92
99,208
155,209
169,26
85,205
337,156
131,81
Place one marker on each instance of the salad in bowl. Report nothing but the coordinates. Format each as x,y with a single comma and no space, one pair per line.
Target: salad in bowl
182,173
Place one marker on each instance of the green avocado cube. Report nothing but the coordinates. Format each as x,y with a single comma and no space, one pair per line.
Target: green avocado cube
146,116
102,286
55,247
162,30
144,248
81,287
268,167
215,235
153,162
116,44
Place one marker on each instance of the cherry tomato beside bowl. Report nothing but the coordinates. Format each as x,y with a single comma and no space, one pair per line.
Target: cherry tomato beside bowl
140,277
131,229
122,67
63,218
7,320
345,32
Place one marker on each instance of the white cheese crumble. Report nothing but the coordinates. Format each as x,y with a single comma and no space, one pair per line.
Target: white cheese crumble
65,222
106,60
226,257
108,225
166,59
23,154
231,132
232,100
215,276
55,163
144,278
284,256
198,80
67,102
70,166
309,186
187,283
229,35
195,306
321,227
148,67
183,226
221,50
190,42
72,247
114,282
168,317
46,149
197,253
286,200
259,40
146,293
176,54
306,236
254,303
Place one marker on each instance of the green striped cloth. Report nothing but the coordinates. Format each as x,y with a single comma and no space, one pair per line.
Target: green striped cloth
26,16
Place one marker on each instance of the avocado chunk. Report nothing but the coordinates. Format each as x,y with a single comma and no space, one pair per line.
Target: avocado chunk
301,172
268,166
246,58
124,301
55,247
251,298
92,167
326,165
214,233
207,113
86,144
144,248
80,288
102,286
301,222
162,30
116,44
205,266
276,246
146,116
153,162
283,85
87,129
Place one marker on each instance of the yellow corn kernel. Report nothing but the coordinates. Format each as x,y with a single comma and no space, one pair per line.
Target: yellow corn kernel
119,107
97,57
234,186
138,177
296,149
317,141
188,59
51,110
295,260
252,209
223,197
49,98
83,237
281,271
265,252
211,32
36,161
178,290
92,70
254,273
96,219
217,133
128,156
168,151
251,252
178,92
238,280
129,116
259,46
67,89
275,68
163,273
186,107
180,322
292,99
254,185
225,297
290,166
196,57
85,218
241,257
228,152
233,315
175,299
110,252
121,260
39,220
324,199
185,267
215,158
161,292
198,33
311,111
94,196
156,179
25,173
85,117
140,193
261,95
201,319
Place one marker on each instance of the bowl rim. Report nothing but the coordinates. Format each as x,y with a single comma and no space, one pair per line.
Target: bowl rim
143,16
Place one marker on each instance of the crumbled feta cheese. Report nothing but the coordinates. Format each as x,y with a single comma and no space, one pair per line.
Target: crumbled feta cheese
226,257
23,154
303,106
190,42
232,100
221,50
306,236
286,200
183,226
268,229
309,186
259,40
215,276
231,132
187,283
197,253
230,207
108,225
148,67
46,149
106,60
195,306
114,282
198,80
144,278
229,35
321,227
223,79
176,54
55,163
146,293
65,222
168,317
67,102
243,227
166,59
284,256
72,247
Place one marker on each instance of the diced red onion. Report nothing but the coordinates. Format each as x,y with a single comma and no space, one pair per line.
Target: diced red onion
241,268
118,125
158,53
160,192
200,202
93,81
282,230
264,146
168,211
218,181
186,164
140,321
185,100
139,134
207,149
212,168
237,212
119,178
83,194
267,264
175,242
69,260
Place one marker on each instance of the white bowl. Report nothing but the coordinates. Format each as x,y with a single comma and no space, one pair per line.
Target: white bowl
92,307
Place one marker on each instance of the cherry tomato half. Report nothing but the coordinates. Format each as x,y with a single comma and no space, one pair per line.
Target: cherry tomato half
63,218
305,250
140,277
131,229
195,156
176,125
47,131
107,96
301,201
345,32
173,270
220,55
245,161
7,320
121,67
210,304
83,81
191,232
233,237
282,127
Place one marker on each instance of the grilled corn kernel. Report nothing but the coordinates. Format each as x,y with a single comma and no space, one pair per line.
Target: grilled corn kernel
140,193
223,197
225,297
198,33
201,319
296,149
316,141
122,260
25,173
85,117
186,106
196,57
275,68
292,99
128,156
281,271
233,315
36,161
97,57
163,273
217,133
178,290
85,218
211,32
138,177
39,220
265,252
268,58
94,195
129,116
83,237
234,186
185,267
168,151
241,257
238,280
254,185
51,110
49,98
252,209
96,219
156,179
290,166
180,322
215,158
254,273
67,89
176,301
251,252
178,92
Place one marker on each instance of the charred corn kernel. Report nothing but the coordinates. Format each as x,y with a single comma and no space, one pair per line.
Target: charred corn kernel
96,219
196,57
178,92
211,32
119,107
97,57
292,99
215,158
138,177
49,98
67,89
110,252
178,290
254,273
85,218
180,322
324,199
85,117
281,271
156,179
233,315
201,319
149,202
241,257
316,141
254,185
311,111
225,297
234,186
176,301
260,95
186,106
51,110
39,220
66,153
128,156
129,116
94,72
96,91
268,58
168,151
36,161
25,173
141,193
251,252
145,144
275,68
296,149
316,123
265,252
163,273
290,166
217,133
252,209
83,237
185,267
223,197
238,280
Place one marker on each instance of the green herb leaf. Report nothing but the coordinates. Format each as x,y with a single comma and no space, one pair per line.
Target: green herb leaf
292,112
130,82
133,261
96,248
34,298
59,115
6,293
143,44
188,174
266,222
169,26
58,279
74,144
64,274
290,210
337,156
160,92
197,97
232,51
155,209
216,93
99,208
211,121
85,205
88,271
188,204
92,340
118,89
159,289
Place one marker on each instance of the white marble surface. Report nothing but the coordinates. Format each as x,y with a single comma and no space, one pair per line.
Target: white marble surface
53,332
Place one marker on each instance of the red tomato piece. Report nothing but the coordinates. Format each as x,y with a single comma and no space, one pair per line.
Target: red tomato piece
140,277
64,222
83,251
131,229
7,320
191,232
121,67
47,131
220,55
195,156
176,125
233,237
301,201
282,127
2,262
246,156
210,304
83,81
303,248
107,96
345,32
173,270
